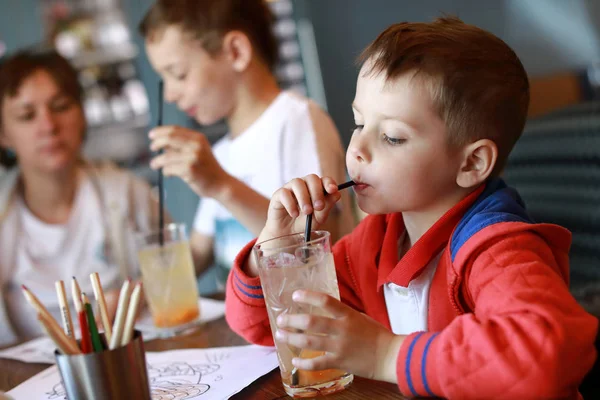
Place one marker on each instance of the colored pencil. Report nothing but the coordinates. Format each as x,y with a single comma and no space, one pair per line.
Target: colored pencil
119,324
64,309
101,301
132,310
96,340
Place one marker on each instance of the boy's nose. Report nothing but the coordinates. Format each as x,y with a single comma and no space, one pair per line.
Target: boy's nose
357,156
359,149
170,95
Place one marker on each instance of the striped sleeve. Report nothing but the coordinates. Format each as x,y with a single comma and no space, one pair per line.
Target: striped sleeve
247,289
415,369
245,309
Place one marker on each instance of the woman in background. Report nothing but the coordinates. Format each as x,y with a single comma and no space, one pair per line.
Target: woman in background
60,217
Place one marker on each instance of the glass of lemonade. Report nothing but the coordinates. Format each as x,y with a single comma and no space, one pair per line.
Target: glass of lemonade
168,276
287,264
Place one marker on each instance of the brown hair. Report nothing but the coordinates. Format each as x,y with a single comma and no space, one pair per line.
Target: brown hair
477,83
209,20
21,65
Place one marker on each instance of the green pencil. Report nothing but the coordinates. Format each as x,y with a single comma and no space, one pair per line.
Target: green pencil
96,341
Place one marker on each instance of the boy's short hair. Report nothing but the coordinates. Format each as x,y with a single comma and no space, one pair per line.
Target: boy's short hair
209,20
476,81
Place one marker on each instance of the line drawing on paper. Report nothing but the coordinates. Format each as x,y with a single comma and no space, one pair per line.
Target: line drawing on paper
57,392
217,357
177,380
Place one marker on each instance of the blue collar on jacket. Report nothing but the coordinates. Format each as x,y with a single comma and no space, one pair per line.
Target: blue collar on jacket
497,203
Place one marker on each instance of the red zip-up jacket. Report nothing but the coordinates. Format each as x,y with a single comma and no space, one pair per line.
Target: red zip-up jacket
501,320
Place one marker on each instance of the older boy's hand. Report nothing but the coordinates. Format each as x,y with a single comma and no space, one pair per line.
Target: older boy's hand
188,155
353,341
297,198
111,298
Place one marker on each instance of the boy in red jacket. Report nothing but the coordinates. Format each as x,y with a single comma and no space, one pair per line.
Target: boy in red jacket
447,288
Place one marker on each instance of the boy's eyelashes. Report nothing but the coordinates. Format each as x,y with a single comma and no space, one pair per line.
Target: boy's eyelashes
390,140
178,76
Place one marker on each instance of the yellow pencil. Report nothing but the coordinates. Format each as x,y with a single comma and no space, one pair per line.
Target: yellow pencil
64,309
62,341
99,294
76,293
41,310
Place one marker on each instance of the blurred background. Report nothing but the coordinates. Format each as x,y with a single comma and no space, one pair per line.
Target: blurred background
556,165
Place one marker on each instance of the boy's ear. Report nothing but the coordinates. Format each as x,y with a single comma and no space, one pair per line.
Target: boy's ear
237,47
479,159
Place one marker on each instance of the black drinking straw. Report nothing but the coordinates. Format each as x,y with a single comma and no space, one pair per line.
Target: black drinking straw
161,190
295,375
308,227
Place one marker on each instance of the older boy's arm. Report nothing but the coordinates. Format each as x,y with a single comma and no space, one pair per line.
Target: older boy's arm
527,337
244,203
202,247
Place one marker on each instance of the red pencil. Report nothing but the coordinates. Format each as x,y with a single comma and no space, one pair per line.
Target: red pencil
86,340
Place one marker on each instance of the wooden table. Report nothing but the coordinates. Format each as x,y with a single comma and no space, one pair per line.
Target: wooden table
215,334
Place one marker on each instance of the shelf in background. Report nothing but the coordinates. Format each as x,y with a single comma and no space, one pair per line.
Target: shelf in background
136,123
119,142
102,56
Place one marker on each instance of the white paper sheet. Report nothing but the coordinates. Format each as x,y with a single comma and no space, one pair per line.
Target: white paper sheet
41,350
204,374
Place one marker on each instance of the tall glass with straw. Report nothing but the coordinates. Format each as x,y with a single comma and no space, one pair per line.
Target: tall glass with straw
166,265
286,264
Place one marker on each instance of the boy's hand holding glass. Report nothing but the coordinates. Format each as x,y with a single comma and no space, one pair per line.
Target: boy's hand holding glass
353,341
188,155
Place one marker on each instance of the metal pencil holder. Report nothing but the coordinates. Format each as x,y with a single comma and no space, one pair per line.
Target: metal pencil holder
111,374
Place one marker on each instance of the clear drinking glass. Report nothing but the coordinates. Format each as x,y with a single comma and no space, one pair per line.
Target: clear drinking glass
168,276
287,264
